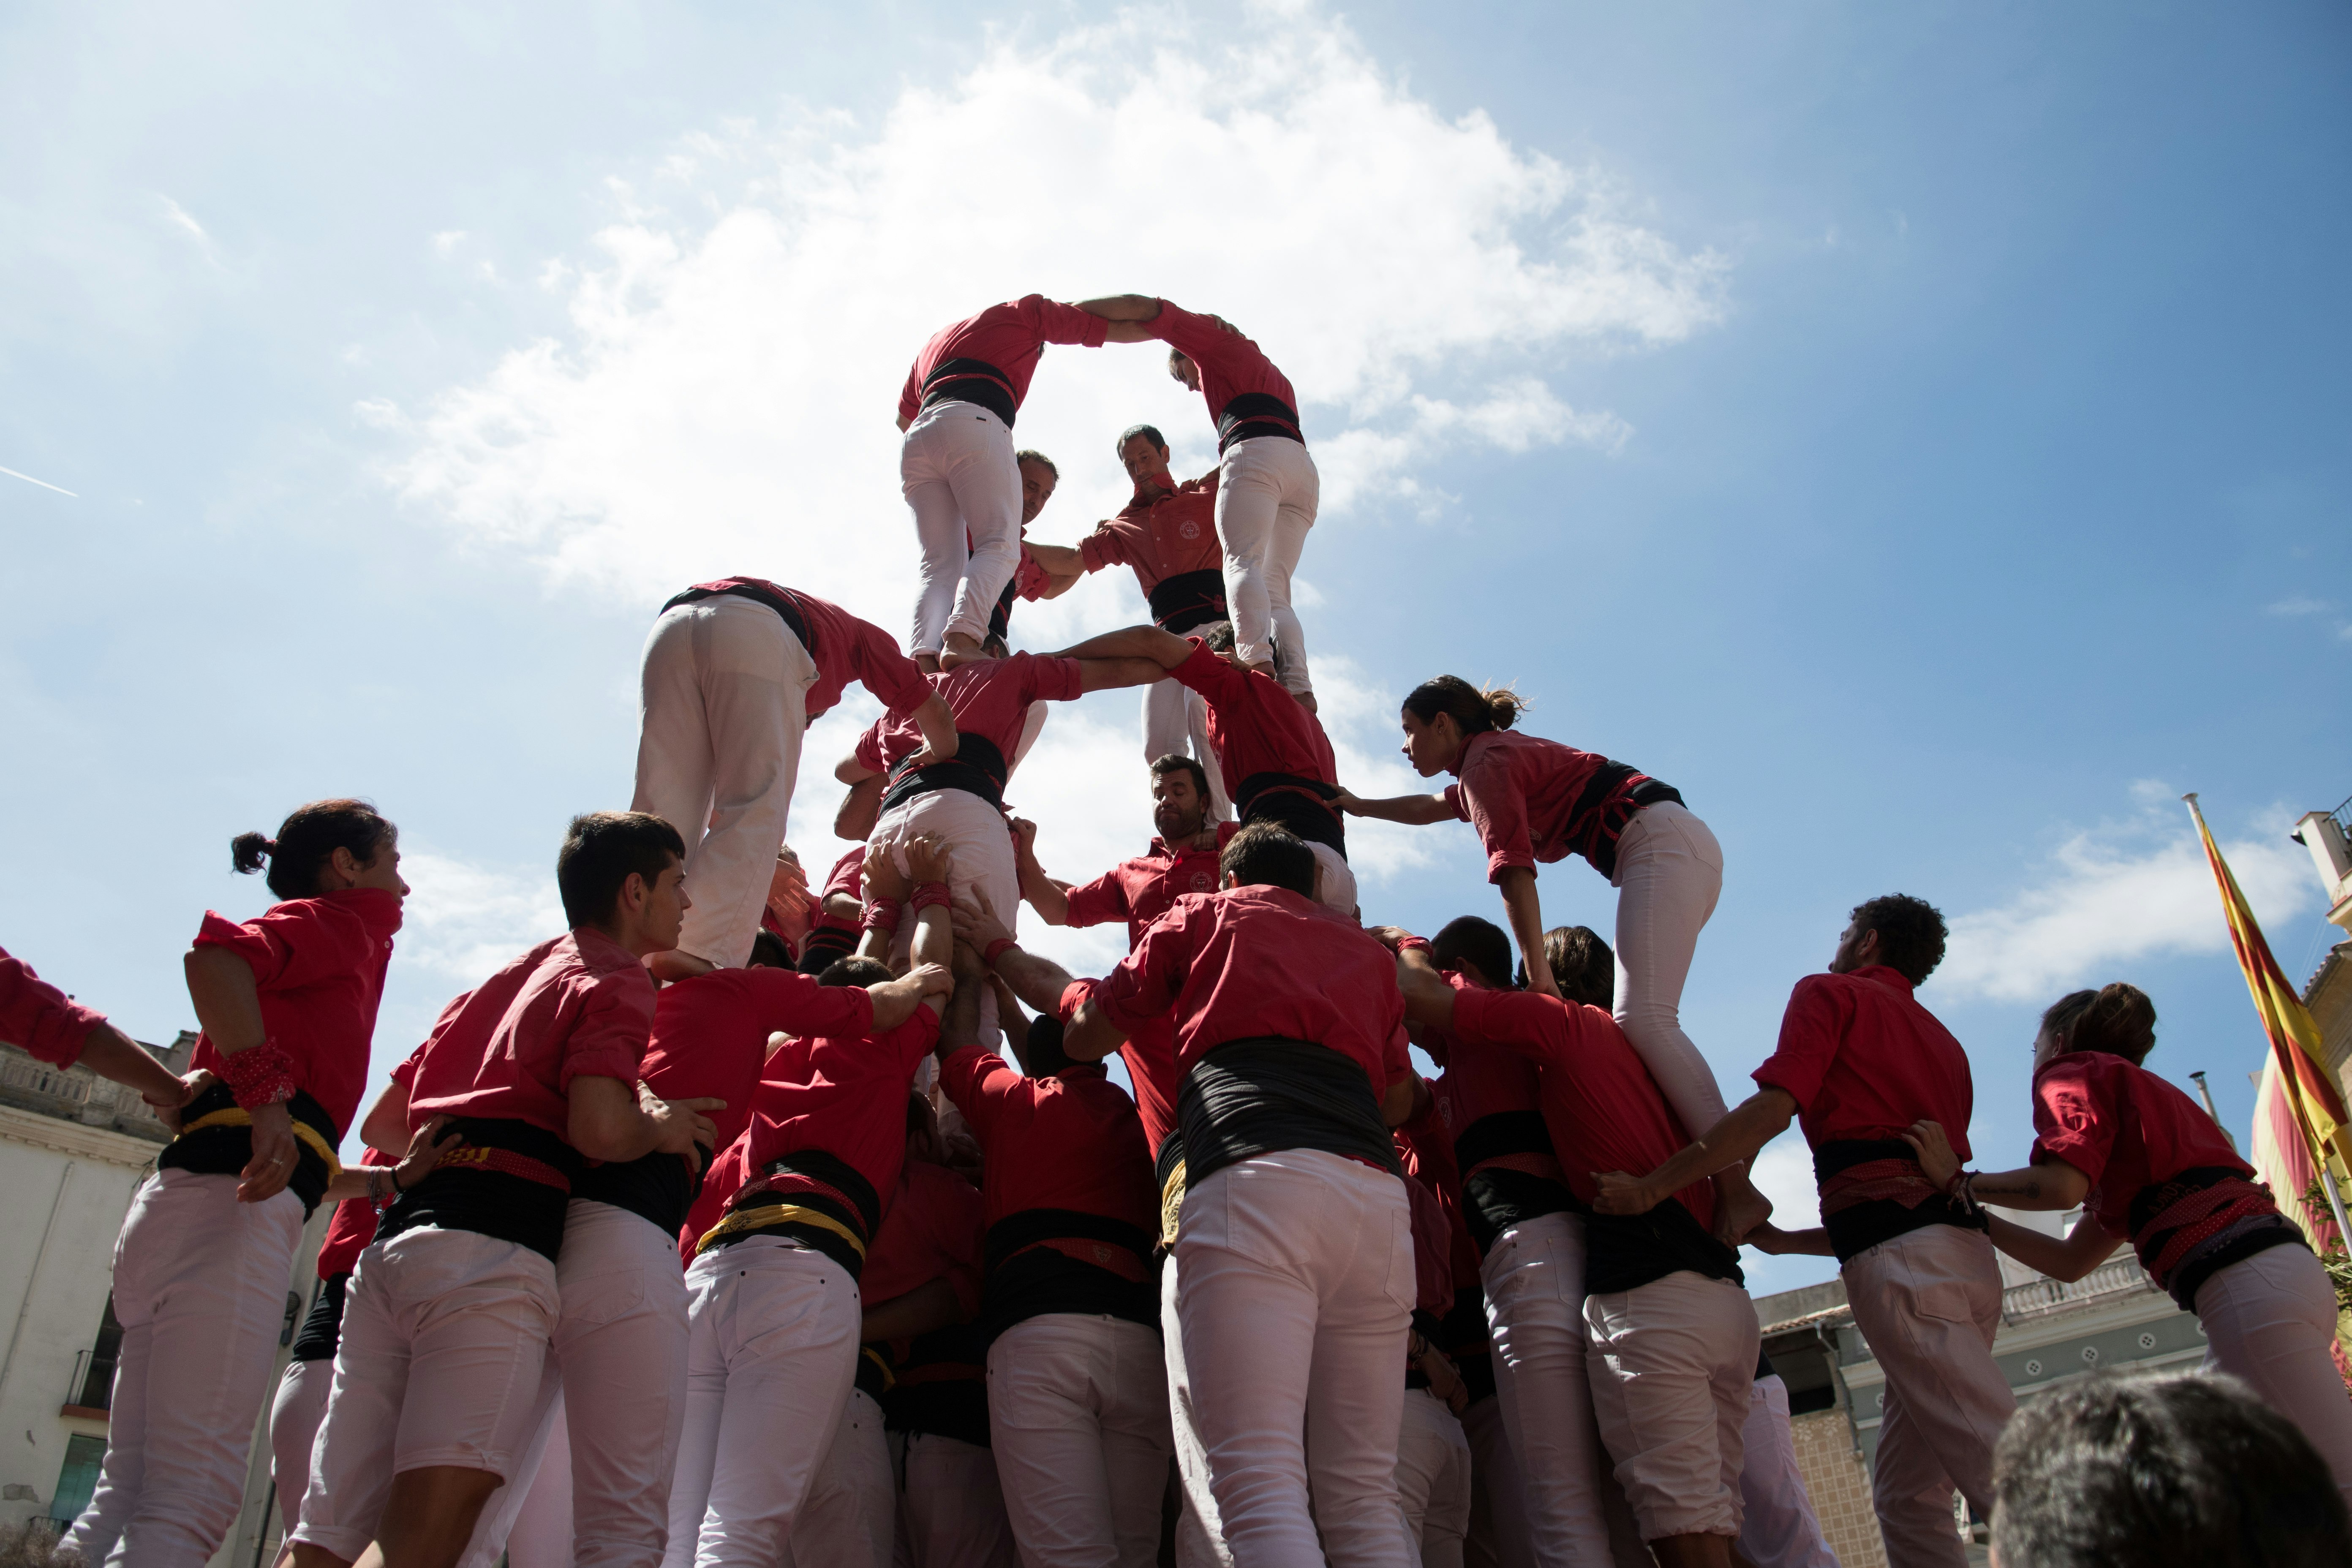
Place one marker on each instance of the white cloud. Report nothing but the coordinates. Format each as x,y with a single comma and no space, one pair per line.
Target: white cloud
445,243
463,920
724,400
178,217
2122,894
2301,605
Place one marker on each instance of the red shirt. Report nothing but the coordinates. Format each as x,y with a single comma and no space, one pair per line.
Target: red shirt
1433,1245
319,964
1427,1151
845,1094
39,1020
710,1034
1070,1140
1863,1061
2123,1127
933,1232
1262,961
1604,1110
1173,532
1229,364
989,698
1008,338
352,1227
729,1169
1482,1080
847,649
580,1003
1254,726
1528,798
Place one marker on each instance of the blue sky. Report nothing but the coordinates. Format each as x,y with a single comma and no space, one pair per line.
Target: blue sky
1916,433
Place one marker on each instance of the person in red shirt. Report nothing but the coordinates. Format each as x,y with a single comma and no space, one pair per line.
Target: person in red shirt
773,1288
1294,1283
2150,1166
288,1004
1268,485
1860,1062
1672,1330
1536,800
50,1027
734,672
450,1312
1434,1463
958,466
1275,758
1077,1395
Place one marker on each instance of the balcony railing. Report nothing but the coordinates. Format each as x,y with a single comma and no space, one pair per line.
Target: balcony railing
2038,1298
75,1095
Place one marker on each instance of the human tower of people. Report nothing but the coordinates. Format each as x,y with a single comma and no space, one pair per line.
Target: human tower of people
697,1234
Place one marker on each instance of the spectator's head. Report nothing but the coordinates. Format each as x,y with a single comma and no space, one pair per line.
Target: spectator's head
1266,855
1179,798
1581,965
1038,478
2185,1468
1041,1048
622,873
1477,949
2118,1019
1905,933
1143,453
325,847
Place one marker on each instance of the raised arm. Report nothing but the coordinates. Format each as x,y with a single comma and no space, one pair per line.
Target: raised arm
1744,1129
1062,567
862,806
1525,909
1121,307
1107,674
1164,648
934,945
1049,897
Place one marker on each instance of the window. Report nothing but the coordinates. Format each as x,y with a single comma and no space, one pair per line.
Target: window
97,1390
79,1478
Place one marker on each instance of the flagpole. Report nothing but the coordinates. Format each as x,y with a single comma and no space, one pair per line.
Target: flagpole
2294,1092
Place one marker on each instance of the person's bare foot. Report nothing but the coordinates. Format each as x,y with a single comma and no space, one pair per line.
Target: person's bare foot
961,650
1738,1206
677,964
1305,701
929,663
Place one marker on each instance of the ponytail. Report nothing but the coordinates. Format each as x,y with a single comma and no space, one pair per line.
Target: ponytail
1474,710
307,841
2118,1019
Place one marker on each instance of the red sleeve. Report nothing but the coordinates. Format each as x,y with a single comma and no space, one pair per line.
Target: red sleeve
1486,798
980,1082
1055,680
1145,984
1055,322
847,875
293,944
869,752
38,1018
2075,1114
882,669
911,1041
1198,338
1213,677
1105,546
1029,576
615,1026
1098,903
796,1004
1520,1022
1810,1032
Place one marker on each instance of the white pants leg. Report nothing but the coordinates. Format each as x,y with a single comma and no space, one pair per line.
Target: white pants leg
1296,1288
1498,1535
724,701
294,1416
951,1509
620,1342
984,868
1336,886
1266,495
1200,1535
1671,1364
1780,1529
1669,875
200,1289
1176,722
957,468
2269,1319
1433,1478
514,1521
770,1357
443,1363
1078,1417
850,1520
1534,1280
1929,1302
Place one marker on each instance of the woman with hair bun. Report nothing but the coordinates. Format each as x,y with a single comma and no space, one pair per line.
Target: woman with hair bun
288,1003
2149,1164
1536,800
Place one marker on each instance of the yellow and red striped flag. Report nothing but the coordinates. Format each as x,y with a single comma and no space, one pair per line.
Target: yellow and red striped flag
2308,1088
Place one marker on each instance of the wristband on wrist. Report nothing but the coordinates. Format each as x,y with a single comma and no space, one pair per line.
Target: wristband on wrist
1409,943
929,895
996,950
1073,996
880,917
261,1075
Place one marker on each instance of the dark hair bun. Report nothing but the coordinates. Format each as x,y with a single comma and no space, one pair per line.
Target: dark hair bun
249,851
1503,706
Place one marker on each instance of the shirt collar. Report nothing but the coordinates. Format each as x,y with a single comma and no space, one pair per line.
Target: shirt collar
1477,742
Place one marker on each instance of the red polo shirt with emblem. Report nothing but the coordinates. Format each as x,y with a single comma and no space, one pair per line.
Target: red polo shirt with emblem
2123,1127
1163,536
1863,1061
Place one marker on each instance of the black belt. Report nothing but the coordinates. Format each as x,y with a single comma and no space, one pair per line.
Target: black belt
780,601
1187,600
1264,1094
1298,804
1257,414
972,381
977,768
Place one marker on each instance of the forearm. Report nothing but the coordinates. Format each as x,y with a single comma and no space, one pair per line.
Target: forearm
112,1054
1050,899
2066,1257
1091,1036
1038,982
927,1307
2055,1185
1524,908
1122,306
1743,1131
1165,650
1419,810
1108,673
936,722
604,1120
227,1002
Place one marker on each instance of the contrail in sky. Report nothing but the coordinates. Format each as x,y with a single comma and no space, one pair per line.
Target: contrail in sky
43,483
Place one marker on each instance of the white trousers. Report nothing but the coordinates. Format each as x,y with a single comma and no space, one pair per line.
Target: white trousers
1534,1280
1335,885
1078,1417
1266,493
851,1517
1432,1478
1295,1290
1671,1363
1497,1536
723,703
976,834
528,1521
962,483
2269,1319
770,1357
200,1284
294,1416
442,1356
1176,722
1669,875
951,1510
1200,1535
620,1346
1779,1530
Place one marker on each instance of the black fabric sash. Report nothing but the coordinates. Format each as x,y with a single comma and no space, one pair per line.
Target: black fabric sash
1026,1280
781,602
974,380
2158,1197
1625,1252
1171,1156
1278,798
1593,830
1257,414
227,1151
942,1387
1187,600
492,1202
322,1333
1259,1095
1856,1230
1844,1153
977,768
657,1187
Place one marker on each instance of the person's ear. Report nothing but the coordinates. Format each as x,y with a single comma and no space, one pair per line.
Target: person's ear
635,893
344,866
1226,882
